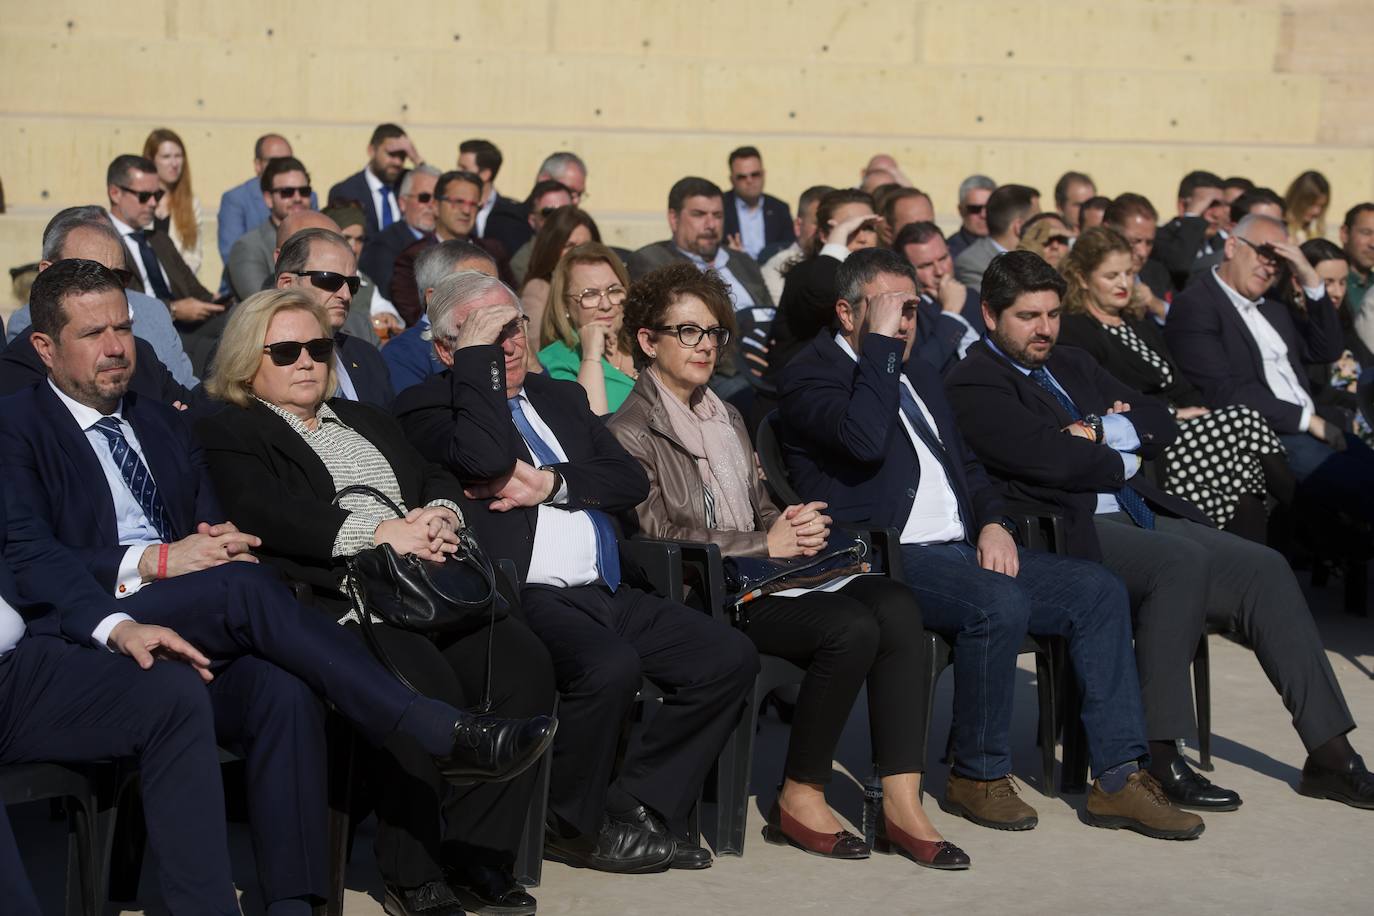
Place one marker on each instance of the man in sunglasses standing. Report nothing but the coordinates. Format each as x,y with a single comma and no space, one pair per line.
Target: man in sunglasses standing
286,189
158,270
320,263
375,186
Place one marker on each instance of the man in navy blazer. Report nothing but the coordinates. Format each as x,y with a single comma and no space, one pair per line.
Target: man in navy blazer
546,477
1241,347
72,702
113,517
754,221
950,316
1055,428
375,187
868,431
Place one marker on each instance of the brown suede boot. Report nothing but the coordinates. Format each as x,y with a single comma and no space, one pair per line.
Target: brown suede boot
989,804
1143,807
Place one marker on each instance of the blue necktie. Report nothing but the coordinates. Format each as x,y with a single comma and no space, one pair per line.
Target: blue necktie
149,258
135,474
607,550
1132,503
913,414
385,216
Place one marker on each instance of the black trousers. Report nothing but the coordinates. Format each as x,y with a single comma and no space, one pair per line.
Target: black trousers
1194,572
603,644
422,822
68,703
868,631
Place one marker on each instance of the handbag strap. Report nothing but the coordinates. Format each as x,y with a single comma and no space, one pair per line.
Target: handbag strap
364,489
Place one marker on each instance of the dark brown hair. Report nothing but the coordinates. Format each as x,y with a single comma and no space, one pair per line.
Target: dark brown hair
659,290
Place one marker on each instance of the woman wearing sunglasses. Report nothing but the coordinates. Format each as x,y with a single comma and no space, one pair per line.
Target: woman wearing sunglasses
279,453
704,486
1047,235
582,326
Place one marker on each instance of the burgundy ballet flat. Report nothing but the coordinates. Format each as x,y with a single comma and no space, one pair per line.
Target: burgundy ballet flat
942,854
784,829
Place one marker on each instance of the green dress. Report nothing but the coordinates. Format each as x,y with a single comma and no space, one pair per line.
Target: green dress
562,362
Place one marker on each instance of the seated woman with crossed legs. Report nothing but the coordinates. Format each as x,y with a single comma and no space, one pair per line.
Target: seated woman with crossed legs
704,486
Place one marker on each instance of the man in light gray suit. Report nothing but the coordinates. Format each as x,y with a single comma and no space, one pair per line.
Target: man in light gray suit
286,190
1007,210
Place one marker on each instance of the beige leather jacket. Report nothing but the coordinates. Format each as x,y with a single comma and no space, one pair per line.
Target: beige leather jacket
676,509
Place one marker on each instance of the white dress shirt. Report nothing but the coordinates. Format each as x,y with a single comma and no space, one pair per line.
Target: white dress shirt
1278,371
132,525
934,516
751,233
126,232
564,553
484,211
738,293
11,627
381,199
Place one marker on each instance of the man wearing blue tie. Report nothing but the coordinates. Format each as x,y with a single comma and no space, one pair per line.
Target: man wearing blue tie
376,185
868,430
1054,428
545,477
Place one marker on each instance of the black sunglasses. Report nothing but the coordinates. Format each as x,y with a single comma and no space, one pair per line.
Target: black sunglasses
423,197
1266,251
329,281
689,335
286,352
288,193
1058,240
143,196
973,209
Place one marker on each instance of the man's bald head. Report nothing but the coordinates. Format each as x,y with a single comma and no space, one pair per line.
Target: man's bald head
303,219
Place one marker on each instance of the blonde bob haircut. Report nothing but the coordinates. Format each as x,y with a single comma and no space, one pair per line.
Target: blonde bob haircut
245,334
558,323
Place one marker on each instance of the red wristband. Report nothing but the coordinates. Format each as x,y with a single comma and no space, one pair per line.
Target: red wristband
162,550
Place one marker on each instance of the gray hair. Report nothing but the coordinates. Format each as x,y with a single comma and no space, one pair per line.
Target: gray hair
455,291
438,261
409,180
1251,219
68,221
557,165
975,183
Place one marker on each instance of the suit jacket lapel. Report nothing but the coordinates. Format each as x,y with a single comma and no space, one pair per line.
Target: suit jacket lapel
1231,315
169,470
72,440
292,447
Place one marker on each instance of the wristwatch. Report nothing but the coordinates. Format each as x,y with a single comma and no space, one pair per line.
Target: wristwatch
1094,423
557,483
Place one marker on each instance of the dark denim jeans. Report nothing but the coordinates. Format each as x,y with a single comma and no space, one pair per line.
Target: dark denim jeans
988,615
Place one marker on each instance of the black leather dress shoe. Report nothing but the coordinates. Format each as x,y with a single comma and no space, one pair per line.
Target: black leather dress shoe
432,899
1188,789
1353,784
623,849
493,749
686,854
488,891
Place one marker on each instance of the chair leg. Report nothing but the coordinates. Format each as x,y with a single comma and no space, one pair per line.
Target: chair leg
1202,699
85,894
529,858
1074,774
934,667
127,845
732,778
1357,588
1045,687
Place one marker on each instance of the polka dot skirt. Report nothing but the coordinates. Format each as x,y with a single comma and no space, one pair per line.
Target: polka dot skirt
1215,460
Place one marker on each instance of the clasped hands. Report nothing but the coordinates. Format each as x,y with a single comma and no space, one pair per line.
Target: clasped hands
430,533
210,546
801,531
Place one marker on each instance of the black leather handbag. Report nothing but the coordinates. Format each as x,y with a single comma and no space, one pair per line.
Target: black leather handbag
750,578
453,598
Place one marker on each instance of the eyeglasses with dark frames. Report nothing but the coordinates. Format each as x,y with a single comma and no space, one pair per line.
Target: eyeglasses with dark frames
286,352
1266,251
972,209
329,281
143,196
690,335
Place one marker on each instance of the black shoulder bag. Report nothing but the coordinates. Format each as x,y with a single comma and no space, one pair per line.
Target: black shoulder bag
455,597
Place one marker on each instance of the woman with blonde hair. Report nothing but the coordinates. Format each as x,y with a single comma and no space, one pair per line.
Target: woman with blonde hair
179,205
1304,207
280,454
581,325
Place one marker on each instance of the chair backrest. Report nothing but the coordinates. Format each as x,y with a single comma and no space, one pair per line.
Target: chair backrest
770,457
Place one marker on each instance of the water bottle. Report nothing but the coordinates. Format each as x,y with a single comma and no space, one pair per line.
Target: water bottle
873,807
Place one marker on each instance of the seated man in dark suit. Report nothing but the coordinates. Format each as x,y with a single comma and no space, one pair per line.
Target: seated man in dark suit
868,431
70,702
1138,222
499,218
1056,429
1007,210
1241,347
375,186
546,478
320,262
754,221
113,517
1197,231
418,209
949,317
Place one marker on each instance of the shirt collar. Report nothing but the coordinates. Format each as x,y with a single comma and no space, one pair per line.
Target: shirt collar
843,343
84,416
121,227
325,414
743,207
1236,298
721,259
491,202
998,350
374,183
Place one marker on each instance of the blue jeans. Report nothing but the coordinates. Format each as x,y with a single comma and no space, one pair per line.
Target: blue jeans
989,614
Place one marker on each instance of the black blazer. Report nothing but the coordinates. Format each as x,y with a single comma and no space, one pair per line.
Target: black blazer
843,442
366,369
807,305
381,251
1016,427
1087,333
63,536
460,419
21,367
1176,246
508,223
777,220
354,188
938,334
1219,355
273,485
